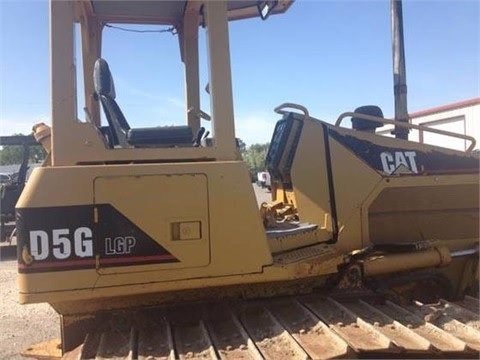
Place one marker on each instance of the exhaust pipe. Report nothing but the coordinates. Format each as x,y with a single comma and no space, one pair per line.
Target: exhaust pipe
399,72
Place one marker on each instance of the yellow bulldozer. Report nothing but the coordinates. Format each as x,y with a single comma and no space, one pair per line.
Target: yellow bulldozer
150,244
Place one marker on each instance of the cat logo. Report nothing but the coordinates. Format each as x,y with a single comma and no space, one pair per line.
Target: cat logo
393,161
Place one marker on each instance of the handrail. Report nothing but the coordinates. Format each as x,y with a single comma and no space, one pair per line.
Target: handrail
409,126
279,108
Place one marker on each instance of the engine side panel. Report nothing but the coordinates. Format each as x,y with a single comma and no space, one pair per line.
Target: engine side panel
445,209
143,226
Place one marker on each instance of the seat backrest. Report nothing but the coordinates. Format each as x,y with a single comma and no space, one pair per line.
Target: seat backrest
105,90
364,124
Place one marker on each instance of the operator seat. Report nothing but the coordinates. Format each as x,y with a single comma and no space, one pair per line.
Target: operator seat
119,132
361,124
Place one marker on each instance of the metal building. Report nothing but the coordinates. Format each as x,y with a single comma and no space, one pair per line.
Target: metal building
461,117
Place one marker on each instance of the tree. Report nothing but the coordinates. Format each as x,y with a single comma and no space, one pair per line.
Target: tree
241,145
13,154
255,156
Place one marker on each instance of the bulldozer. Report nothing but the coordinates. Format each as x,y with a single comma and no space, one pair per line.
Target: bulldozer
150,244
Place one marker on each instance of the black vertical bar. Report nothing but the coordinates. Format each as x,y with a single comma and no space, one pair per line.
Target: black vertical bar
399,72
331,185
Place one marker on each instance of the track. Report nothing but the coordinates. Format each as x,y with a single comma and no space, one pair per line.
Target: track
290,328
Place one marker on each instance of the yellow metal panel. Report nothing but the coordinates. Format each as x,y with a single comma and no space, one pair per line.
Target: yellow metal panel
353,182
412,209
154,203
310,181
156,193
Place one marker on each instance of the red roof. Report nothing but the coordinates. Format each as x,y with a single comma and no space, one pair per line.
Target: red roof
448,107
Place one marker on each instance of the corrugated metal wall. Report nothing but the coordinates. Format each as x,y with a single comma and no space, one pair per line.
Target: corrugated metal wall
462,118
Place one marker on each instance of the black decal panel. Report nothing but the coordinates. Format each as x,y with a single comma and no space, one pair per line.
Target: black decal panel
388,159
123,243
67,238
49,239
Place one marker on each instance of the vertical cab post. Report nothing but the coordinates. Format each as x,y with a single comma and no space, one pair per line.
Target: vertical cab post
188,36
63,90
91,32
220,78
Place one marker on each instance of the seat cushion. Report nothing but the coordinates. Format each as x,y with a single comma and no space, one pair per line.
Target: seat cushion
163,136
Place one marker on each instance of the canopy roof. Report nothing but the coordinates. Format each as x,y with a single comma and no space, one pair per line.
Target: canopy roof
170,12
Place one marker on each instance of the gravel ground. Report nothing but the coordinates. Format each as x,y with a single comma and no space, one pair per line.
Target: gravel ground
262,194
24,325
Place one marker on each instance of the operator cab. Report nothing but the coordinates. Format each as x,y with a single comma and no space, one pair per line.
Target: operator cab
117,138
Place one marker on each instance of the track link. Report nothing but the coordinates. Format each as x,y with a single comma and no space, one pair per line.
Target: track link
302,327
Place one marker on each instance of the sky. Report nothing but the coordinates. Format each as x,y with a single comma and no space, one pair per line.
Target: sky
330,56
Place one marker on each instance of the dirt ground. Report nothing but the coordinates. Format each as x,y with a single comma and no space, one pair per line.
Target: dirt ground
24,325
